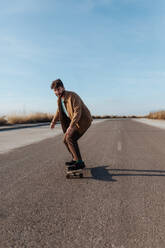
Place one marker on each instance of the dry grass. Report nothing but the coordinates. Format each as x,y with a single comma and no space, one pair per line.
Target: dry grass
113,116
42,117
30,118
159,115
3,120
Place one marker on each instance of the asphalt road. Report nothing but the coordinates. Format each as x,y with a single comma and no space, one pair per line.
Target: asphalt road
119,204
20,135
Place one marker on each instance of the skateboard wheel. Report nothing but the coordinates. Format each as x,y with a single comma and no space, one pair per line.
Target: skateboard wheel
67,176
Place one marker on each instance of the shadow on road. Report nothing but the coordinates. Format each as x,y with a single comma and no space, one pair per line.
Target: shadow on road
101,173
104,173
147,173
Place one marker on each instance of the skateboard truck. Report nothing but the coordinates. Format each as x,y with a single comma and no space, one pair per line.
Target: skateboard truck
74,173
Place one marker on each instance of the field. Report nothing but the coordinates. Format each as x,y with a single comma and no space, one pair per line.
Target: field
159,115
25,119
3,121
42,117
47,117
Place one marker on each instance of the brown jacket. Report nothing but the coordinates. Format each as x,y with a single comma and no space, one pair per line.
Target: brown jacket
79,115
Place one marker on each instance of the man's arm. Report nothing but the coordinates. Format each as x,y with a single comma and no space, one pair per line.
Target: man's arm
77,109
55,119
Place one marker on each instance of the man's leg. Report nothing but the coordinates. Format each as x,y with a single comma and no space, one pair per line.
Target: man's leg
66,144
71,143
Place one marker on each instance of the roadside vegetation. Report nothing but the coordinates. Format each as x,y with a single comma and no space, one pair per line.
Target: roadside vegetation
25,119
159,115
47,117
3,121
42,117
113,116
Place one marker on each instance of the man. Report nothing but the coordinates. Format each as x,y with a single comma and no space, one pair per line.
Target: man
75,119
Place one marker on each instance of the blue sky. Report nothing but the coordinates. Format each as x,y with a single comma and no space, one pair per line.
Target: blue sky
111,52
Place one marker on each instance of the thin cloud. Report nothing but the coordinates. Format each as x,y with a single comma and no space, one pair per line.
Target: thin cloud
19,48
24,6
89,5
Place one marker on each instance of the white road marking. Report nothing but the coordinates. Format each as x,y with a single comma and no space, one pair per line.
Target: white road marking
119,146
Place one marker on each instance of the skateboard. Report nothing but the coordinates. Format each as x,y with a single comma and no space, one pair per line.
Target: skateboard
74,173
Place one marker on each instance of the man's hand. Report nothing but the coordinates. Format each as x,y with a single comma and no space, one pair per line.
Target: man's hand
69,130
52,125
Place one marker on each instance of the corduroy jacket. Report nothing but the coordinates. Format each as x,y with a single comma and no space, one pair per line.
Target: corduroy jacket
79,115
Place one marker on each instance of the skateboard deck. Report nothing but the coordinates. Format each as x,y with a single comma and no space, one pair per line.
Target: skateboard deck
74,173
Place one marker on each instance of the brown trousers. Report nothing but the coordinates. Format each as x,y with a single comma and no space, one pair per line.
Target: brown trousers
70,140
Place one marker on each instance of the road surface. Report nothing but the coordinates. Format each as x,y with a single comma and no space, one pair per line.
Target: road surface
119,204
19,135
